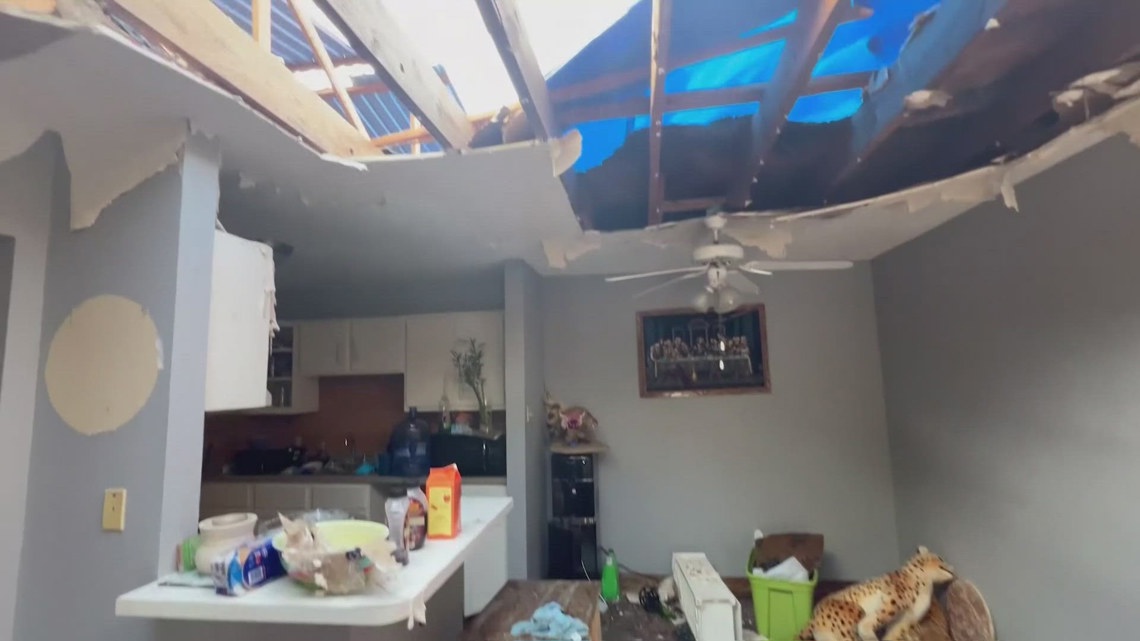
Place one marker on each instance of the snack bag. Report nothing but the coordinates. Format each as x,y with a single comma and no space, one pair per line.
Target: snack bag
444,493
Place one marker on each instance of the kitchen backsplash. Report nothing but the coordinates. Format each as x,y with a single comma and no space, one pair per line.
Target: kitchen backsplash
363,407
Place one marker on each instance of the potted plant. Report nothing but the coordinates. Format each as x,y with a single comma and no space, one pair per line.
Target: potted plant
469,366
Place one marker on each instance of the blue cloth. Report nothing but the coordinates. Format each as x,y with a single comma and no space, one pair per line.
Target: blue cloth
550,623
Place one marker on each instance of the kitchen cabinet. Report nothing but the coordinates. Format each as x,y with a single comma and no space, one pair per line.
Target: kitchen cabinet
376,345
429,372
323,347
289,392
241,318
351,347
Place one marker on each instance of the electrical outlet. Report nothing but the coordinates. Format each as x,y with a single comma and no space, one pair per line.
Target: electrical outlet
115,509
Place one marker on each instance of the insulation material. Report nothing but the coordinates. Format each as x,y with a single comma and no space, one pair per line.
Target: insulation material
992,24
103,364
927,99
108,162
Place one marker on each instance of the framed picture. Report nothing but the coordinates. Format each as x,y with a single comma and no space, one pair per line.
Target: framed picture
684,353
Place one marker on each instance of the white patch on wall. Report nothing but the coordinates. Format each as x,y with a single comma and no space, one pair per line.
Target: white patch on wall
103,364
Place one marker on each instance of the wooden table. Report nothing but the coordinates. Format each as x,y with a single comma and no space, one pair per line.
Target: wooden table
519,599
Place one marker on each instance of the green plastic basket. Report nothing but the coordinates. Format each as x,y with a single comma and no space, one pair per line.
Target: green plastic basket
783,608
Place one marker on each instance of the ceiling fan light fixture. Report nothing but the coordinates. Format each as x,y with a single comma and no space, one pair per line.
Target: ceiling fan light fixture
726,300
702,302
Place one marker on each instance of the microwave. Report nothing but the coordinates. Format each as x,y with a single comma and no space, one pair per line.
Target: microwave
474,455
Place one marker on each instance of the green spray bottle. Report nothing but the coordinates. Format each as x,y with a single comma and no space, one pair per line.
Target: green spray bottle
610,590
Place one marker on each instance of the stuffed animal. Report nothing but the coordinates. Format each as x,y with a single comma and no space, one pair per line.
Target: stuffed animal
896,602
571,425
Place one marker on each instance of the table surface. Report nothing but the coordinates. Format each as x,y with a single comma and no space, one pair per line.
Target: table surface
283,601
518,600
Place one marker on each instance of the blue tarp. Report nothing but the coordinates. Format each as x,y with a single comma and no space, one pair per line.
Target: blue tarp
697,25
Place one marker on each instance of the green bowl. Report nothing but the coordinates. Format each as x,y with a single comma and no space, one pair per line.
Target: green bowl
342,537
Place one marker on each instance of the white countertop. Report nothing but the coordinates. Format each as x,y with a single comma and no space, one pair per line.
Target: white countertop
283,601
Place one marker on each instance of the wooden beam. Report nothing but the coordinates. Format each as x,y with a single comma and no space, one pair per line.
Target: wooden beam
199,30
375,35
929,52
507,31
418,134
812,31
660,31
262,22
315,66
704,99
322,56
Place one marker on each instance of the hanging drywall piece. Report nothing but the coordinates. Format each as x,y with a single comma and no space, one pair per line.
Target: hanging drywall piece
103,364
559,253
108,162
773,241
1008,193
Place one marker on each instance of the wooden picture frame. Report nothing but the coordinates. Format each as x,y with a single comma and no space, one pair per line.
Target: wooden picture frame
679,353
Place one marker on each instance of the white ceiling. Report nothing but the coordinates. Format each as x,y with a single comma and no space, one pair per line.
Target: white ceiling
394,217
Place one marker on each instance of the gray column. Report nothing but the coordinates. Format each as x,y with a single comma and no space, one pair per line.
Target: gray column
153,245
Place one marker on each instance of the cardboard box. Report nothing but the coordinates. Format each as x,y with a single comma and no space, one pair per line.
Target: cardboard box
444,495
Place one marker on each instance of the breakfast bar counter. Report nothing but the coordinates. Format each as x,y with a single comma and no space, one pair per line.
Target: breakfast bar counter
283,601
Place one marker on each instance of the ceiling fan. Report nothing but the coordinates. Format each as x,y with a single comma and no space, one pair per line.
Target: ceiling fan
723,267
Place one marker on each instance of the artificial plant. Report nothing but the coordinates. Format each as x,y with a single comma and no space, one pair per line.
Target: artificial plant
469,366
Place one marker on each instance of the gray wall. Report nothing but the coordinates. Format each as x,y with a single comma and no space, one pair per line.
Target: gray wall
7,262
701,474
1011,344
526,437
154,246
25,212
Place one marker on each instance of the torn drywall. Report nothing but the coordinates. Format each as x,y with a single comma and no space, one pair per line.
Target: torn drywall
559,253
103,364
771,239
107,162
1008,193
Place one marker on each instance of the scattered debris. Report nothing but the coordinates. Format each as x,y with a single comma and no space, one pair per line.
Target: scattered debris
927,99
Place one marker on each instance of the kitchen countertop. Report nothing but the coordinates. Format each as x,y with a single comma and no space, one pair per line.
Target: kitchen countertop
284,601
363,479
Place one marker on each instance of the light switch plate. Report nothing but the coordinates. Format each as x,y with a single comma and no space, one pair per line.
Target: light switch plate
115,509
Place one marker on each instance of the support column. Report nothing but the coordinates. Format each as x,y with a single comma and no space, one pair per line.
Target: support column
153,246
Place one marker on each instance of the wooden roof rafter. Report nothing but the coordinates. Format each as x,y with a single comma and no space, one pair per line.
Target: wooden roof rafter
812,30
322,55
658,68
376,36
509,35
203,34
261,20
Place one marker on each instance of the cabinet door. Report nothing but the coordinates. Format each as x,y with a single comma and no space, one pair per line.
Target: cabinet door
428,372
487,328
354,499
376,346
322,348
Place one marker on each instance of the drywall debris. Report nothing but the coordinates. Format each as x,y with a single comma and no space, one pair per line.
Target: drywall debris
927,99
992,24
102,364
106,163
352,164
1099,81
1008,193
773,241
559,253
1069,97
565,151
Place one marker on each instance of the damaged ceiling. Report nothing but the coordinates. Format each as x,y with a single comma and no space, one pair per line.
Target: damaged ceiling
964,84
401,218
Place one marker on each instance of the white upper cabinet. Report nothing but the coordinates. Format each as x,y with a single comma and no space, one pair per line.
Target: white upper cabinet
429,372
359,346
322,348
241,316
376,345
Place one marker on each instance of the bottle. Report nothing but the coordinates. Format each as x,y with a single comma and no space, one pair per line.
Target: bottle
610,589
408,447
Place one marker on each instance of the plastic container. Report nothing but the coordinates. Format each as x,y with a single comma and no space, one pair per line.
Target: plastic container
408,447
783,608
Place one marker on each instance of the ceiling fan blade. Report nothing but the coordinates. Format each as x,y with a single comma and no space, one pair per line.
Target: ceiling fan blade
758,266
671,281
663,272
742,283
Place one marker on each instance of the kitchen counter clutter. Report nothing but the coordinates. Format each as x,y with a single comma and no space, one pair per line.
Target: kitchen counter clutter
283,601
361,479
